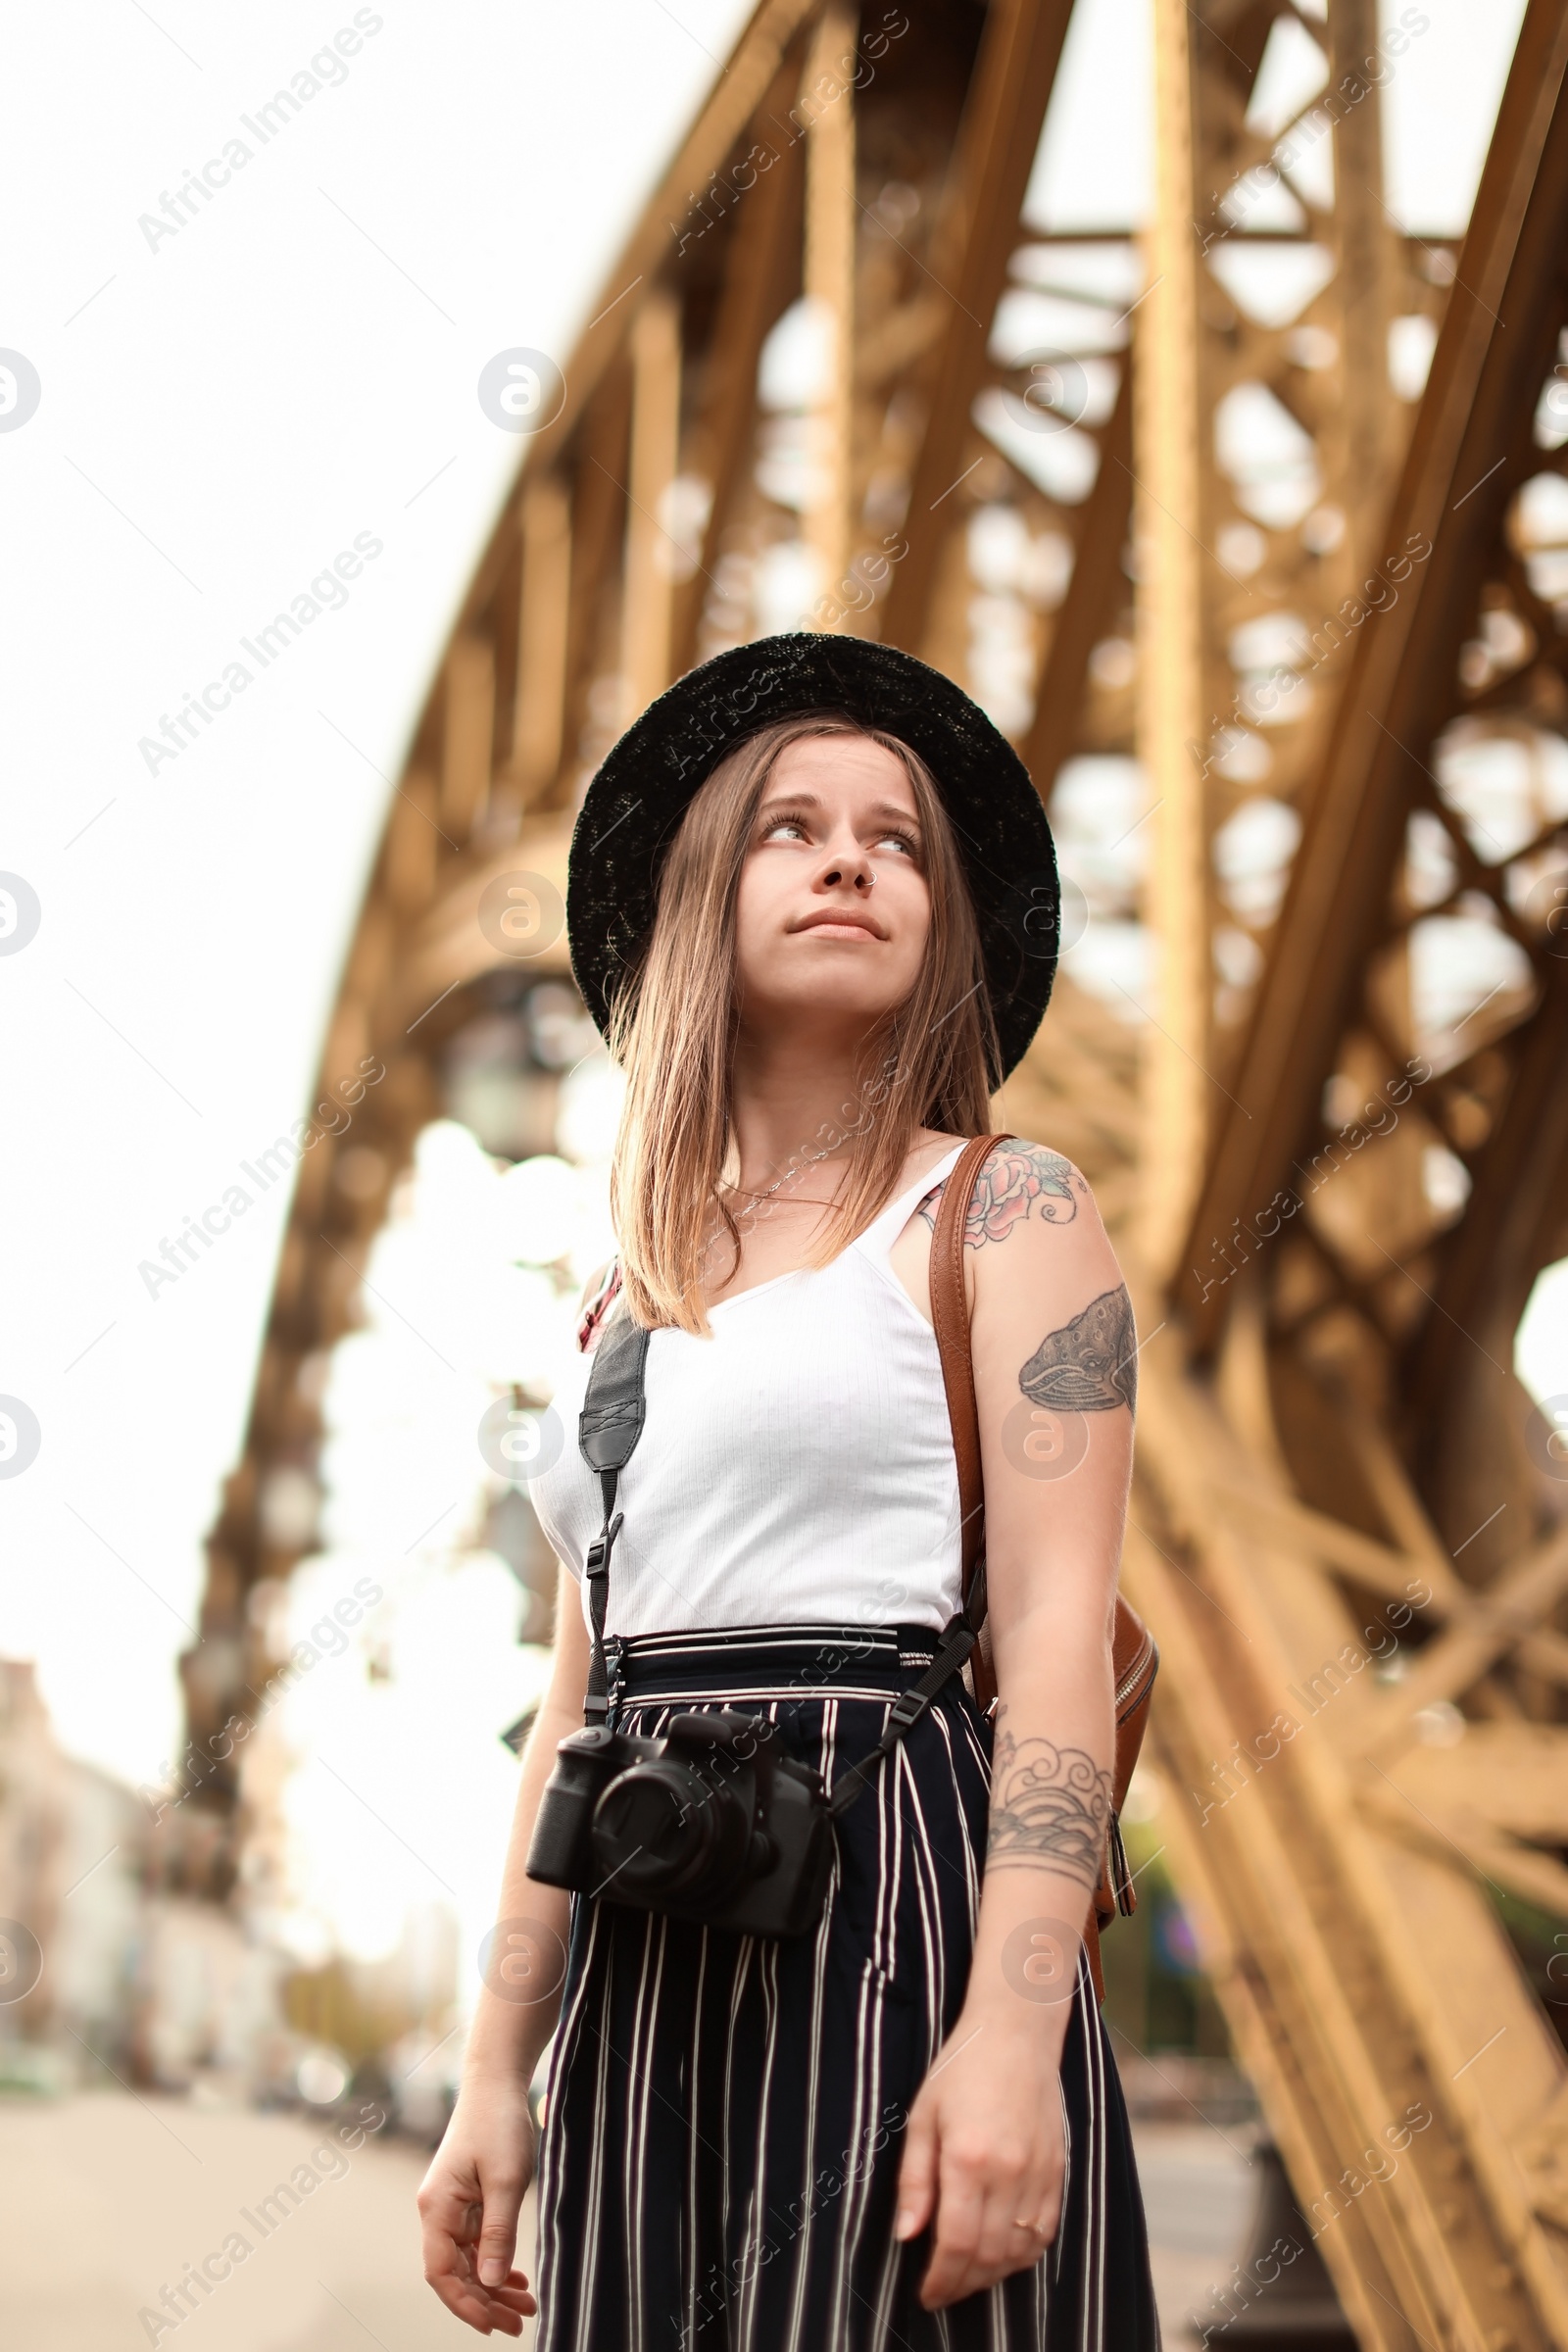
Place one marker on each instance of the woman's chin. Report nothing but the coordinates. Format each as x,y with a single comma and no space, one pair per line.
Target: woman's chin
831,1003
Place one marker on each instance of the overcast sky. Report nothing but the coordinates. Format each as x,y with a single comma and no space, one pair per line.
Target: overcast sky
223,411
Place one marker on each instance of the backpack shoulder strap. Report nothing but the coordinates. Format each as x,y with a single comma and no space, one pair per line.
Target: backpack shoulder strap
950,1317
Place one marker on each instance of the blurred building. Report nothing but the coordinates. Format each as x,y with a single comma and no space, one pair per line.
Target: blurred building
73,1855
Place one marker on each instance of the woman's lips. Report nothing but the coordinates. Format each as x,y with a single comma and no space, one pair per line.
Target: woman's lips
843,926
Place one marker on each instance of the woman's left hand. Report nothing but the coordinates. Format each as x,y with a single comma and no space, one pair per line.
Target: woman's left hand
984,2153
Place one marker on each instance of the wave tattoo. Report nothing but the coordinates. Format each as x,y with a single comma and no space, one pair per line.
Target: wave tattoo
1049,1807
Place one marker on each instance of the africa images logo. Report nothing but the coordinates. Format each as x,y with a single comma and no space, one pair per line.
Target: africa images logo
326,592
327,69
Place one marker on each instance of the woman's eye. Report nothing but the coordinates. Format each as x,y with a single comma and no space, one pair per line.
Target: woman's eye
785,828
897,841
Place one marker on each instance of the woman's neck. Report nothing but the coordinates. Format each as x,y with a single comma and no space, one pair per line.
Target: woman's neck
795,1102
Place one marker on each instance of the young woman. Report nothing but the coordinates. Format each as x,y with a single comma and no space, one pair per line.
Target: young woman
813,905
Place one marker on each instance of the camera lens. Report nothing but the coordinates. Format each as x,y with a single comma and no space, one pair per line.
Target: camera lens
663,1827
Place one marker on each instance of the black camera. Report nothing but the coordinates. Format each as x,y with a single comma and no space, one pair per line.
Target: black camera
710,1823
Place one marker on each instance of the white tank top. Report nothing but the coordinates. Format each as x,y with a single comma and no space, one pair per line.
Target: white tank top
794,1469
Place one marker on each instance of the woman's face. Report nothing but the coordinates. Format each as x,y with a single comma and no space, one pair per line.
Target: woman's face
834,912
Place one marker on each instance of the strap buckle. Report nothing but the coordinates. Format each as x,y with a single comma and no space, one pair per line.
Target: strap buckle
596,1559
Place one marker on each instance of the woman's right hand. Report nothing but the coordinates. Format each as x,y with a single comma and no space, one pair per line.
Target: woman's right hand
470,2196
468,2203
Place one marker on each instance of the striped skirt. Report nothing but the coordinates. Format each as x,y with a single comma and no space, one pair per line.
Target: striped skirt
723,2127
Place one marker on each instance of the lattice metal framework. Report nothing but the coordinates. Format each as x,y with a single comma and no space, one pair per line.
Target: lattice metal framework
1386,1177
1268,440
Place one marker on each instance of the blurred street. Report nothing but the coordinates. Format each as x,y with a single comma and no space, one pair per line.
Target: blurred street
110,2198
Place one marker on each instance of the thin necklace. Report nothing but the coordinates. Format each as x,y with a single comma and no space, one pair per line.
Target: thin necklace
796,1200
811,1159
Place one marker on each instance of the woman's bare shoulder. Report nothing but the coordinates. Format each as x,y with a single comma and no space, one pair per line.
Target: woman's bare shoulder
928,1146
1018,1180
1022,1180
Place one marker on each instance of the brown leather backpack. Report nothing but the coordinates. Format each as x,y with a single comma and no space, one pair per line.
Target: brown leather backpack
1135,1659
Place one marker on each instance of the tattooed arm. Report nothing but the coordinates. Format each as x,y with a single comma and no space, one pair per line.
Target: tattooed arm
1055,1379
1050,1808
1055,1359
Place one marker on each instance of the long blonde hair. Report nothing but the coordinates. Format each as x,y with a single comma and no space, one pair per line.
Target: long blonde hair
673,1030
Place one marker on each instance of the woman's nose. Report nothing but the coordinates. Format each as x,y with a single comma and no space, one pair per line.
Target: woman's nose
852,867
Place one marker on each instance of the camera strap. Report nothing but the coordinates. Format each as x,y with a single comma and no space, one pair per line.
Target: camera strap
613,1409
611,1422
955,1642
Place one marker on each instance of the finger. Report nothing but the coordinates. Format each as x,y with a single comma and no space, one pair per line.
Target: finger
1011,2234
486,2308
917,2173
449,2206
445,2221
957,2235
1041,2197
516,2294
498,2237
1048,2209
476,2305
449,2268
986,2188
513,2294
1018,2223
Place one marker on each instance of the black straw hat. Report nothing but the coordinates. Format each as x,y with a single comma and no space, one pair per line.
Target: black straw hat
635,804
